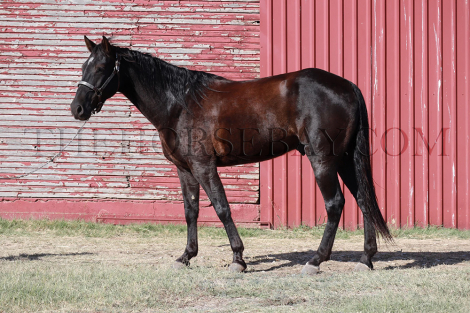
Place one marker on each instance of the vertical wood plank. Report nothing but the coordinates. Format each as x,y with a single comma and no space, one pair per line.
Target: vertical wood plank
449,116
420,154
463,112
435,110
406,103
379,70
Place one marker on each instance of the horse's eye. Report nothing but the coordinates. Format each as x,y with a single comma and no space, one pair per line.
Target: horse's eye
100,69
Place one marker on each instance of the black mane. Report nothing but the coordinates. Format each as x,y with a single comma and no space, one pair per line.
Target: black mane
179,84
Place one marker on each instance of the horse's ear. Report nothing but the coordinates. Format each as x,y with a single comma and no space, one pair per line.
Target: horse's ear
108,48
90,44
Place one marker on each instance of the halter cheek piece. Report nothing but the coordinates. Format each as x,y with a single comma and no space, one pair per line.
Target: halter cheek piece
99,91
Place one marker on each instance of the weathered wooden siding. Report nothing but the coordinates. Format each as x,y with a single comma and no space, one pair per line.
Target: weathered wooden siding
411,61
118,154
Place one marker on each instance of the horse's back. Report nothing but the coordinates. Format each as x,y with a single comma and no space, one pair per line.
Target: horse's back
293,101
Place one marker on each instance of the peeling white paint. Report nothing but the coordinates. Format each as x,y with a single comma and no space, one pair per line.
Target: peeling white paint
41,58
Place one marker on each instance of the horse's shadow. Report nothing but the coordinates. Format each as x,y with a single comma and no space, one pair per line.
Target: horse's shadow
413,259
39,256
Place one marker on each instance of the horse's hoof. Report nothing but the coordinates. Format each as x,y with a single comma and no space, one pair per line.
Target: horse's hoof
178,265
361,267
310,269
236,268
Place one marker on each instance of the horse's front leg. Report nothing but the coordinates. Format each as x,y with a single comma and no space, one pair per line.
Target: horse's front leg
206,174
190,189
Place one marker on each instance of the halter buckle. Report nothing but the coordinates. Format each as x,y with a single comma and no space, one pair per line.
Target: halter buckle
98,107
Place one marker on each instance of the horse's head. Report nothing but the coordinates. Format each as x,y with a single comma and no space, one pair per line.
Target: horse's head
100,79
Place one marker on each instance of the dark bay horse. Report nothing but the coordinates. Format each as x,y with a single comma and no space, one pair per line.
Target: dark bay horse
205,121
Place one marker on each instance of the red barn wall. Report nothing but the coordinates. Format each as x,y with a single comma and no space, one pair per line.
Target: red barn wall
411,61
115,167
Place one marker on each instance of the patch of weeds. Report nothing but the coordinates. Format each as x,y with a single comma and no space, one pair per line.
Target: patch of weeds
283,301
152,230
429,232
91,229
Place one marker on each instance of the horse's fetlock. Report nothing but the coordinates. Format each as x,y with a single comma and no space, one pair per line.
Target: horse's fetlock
191,250
192,253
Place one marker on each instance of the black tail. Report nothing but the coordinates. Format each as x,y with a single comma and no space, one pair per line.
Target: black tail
364,171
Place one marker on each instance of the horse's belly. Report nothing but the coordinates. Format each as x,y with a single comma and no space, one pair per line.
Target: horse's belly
251,149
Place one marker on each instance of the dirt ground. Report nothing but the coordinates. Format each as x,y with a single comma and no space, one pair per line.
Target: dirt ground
278,256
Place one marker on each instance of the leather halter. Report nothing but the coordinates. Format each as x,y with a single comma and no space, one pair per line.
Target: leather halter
99,91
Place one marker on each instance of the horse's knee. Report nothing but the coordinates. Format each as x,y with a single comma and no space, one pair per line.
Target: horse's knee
224,214
334,207
191,215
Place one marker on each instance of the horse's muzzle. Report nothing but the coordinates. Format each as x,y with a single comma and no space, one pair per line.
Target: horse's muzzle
80,112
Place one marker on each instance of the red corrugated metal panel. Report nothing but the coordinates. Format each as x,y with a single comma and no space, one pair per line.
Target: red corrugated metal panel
410,59
462,168
118,154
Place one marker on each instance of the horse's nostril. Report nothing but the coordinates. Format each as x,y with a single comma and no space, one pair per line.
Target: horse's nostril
79,109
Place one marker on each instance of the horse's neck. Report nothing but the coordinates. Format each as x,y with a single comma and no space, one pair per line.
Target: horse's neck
147,96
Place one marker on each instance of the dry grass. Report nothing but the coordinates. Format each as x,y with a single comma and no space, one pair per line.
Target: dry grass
52,266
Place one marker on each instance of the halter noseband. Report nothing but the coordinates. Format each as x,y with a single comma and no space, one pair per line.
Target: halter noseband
99,91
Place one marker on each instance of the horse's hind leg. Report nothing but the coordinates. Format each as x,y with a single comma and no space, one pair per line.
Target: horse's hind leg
210,181
348,175
327,180
190,189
